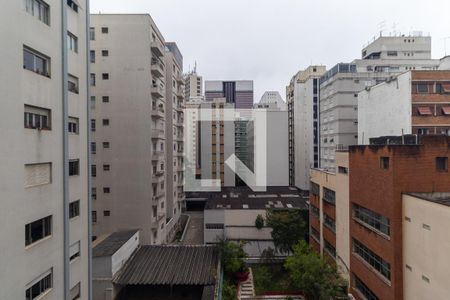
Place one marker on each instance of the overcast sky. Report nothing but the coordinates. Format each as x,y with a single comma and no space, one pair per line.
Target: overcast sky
268,41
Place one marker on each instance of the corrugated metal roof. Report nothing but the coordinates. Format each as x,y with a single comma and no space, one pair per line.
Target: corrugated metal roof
170,265
112,243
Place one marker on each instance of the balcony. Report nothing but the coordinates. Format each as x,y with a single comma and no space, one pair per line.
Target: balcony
158,134
160,216
158,112
157,90
178,138
157,47
157,155
157,68
179,93
179,79
158,177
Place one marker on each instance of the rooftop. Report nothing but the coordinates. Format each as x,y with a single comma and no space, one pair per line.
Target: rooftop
170,265
440,198
112,243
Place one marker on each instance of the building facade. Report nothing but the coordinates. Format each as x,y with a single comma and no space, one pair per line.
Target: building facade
193,85
239,92
128,100
271,100
302,96
415,102
44,156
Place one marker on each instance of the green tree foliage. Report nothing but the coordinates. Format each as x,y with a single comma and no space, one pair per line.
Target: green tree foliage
229,290
311,274
259,222
288,228
232,255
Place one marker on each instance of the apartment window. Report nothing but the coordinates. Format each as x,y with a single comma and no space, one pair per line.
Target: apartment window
371,258
38,230
314,233
371,219
422,88
92,56
40,286
422,131
92,124
75,292
329,248
94,170
94,216
73,84
105,122
363,289
392,53
314,211
39,9
329,222
38,174
384,162
106,190
73,125
93,147
106,167
37,117
105,76
92,102
92,79
315,189
74,167
72,42
36,62
105,53
329,195
214,226
94,193
73,5
74,251
105,99
74,209
106,213
105,30
105,145
92,33
441,164
342,170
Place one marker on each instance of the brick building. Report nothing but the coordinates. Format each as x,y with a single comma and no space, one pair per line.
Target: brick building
379,176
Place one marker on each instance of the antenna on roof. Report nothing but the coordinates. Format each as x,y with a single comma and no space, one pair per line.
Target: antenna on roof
195,67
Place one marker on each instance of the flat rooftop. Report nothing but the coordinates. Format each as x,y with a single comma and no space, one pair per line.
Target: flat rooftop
442,198
112,243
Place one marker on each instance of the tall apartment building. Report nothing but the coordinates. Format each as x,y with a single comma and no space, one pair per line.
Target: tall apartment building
174,136
380,176
339,87
302,96
192,135
44,153
193,85
271,100
415,102
128,88
329,214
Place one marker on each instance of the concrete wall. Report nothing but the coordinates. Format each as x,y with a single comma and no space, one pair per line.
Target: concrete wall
277,148
385,109
425,251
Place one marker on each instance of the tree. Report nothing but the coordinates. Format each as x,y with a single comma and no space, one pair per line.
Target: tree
232,255
288,228
313,275
259,222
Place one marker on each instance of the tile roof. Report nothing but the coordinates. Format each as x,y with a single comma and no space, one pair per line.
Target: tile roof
170,265
112,243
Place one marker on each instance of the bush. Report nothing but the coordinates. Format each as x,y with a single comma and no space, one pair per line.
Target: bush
232,255
229,290
259,222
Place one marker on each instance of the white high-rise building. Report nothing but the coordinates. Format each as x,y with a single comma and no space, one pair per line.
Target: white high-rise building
44,154
193,85
271,100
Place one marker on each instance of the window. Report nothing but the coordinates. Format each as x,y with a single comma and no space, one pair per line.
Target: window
422,88
75,292
314,211
441,164
371,219
363,289
329,248
105,53
74,251
92,33
106,213
106,190
92,79
94,193
105,122
39,287
37,118
106,145
342,170
105,99
106,167
92,56
73,84
72,42
384,162
93,147
329,222
74,209
94,170
315,234
73,125
73,5
92,102
38,230
92,124
372,259
214,226
392,53
329,195
38,174
315,189
74,167
105,30
105,76
39,9
94,216
422,131
36,62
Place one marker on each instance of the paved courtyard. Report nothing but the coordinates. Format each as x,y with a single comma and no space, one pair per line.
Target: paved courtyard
194,233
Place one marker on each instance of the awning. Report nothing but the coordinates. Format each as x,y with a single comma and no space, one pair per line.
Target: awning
446,110
424,111
446,87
